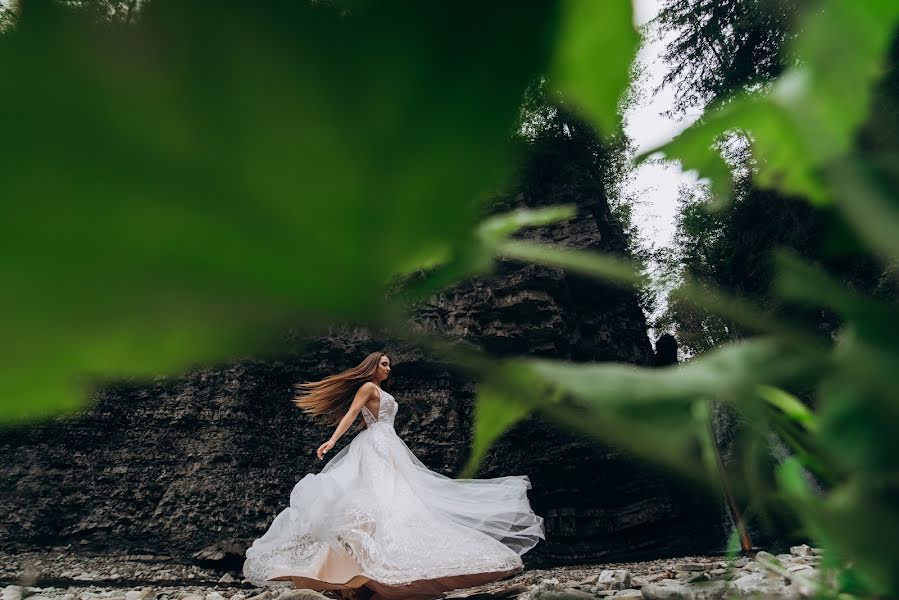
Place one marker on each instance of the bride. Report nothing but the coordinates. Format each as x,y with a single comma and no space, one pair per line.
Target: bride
376,520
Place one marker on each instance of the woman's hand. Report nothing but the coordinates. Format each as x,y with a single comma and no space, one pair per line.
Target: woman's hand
324,448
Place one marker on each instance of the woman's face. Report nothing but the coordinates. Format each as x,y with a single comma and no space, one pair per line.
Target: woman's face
383,368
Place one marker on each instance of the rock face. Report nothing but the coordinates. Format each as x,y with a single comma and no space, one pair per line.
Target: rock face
174,466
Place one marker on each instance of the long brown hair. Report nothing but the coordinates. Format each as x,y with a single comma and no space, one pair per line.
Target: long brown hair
331,397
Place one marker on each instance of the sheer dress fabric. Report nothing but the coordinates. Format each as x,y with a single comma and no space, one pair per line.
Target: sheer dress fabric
377,516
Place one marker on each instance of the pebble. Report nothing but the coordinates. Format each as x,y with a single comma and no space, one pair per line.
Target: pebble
302,595
686,578
614,579
667,589
690,567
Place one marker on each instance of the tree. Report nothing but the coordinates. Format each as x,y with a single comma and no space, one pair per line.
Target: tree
724,47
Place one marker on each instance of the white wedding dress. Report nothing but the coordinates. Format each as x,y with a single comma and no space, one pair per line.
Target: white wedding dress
376,516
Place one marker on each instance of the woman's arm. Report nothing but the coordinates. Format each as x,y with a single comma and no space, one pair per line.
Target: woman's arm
365,392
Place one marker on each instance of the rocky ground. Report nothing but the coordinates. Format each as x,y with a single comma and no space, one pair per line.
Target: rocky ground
67,576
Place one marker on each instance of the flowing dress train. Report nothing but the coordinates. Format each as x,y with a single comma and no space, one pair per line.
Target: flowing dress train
376,516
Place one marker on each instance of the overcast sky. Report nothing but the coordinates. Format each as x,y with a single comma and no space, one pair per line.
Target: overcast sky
655,185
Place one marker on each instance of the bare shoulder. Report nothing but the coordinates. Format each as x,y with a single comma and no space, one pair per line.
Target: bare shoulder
369,389
366,396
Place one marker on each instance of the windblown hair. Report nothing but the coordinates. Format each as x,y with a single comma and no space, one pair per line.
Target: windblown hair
331,397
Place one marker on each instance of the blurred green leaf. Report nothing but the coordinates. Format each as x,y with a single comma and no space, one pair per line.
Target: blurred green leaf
835,522
809,116
476,256
870,204
840,51
496,410
867,346
732,548
729,370
790,405
177,190
603,266
592,66
649,411
498,228
693,149
624,273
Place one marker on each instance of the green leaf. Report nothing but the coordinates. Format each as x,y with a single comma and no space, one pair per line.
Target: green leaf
693,148
869,204
179,189
840,51
648,411
790,405
602,266
477,255
809,116
731,369
498,228
497,408
592,66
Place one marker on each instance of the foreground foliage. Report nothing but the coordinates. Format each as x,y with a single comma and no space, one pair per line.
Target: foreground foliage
180,188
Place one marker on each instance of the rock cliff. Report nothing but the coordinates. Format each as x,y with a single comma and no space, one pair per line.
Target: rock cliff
176,465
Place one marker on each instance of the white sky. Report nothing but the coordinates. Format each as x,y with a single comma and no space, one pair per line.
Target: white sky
655,185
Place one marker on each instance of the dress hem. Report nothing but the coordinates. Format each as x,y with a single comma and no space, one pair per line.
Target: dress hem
417,589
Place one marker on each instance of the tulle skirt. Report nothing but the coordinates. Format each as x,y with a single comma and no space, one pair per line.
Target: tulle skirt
376,516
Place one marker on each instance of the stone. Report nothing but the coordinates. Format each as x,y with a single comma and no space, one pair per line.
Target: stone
227,578
804,569
758,583
741,562
674,590
214,596
762,556
561,594
629,593
508,591
614,579
713,590
690,567
657,577
589,580
667,589
12,592
302,594
801,550
805,582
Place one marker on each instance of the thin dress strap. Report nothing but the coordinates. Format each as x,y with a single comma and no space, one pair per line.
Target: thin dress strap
374,419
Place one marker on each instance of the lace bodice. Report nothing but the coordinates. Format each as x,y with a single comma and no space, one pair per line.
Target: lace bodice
386,410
